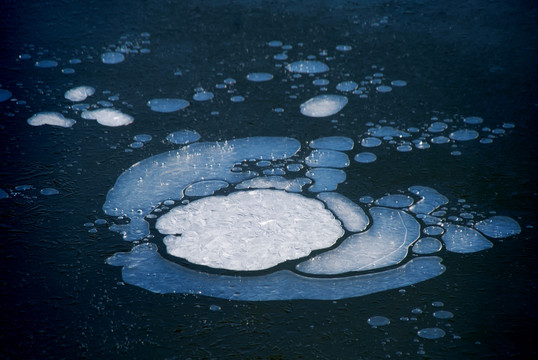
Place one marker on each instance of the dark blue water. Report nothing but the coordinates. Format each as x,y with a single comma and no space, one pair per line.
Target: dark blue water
60,299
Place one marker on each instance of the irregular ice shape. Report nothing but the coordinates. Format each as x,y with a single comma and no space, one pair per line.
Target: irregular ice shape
323,105
50,118
108,117
275,182
205,188
325,179
498,227
164,176
144,267
395,201
327,158
339,143
248,230
430,201
79,93
352,215
427,245
431,333
167,105
385,131
183,137
384,244
461,239
307,67
3,194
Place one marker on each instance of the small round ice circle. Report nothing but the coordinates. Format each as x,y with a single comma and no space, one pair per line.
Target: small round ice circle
260,232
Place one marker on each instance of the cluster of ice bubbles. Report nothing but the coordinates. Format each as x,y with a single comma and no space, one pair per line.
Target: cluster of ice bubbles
252,207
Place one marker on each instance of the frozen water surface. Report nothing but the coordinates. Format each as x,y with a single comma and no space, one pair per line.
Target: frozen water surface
203,96
443,314
385,243
461,239
365,157
167,105
378,321
352,215
498,227
248,230
307,67
79,93
259,77
340,143
147,183
108,117
327,158
464,135
325,179
323,105
427,245
395,201
144,267
275,182
112,58
369,142
205,188
183,137
473,120
431,333
50,118
144,138
387,131
430,200
347,86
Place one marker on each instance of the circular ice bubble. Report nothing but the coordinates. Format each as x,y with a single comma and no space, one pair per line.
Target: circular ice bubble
437,127
203,96
229,81
395,201
431,333
49,191
509,125
498,131
404,148
183,137
50,118
370,142
112,57
237,98
46,64
486,141
346,86
433,230
68,71
259,77
323,105
321,82
427,245
281,57
248,230
378,321
463,135
275,43
307,67
340,143
498,227
75,61
343,47
443,314
473,120
440,140
108,117
136,145
383,89
365,157
398,83
167,105
79,93
5,95
142,138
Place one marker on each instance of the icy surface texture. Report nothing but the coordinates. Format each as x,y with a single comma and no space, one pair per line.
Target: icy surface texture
384,244
325,179
307,67
248,230
461,239
205,188
275,182
498,227
323,105
352,215
327,158
339,143
430,201
144,267
165,176
167,105
108,117
50,118
79,93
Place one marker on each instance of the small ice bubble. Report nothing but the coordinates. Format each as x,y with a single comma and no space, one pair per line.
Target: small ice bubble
108,117
46,64
431,333
167,105
112,58
259,77
49,191
378,321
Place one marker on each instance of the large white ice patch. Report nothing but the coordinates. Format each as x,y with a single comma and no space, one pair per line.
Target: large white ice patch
248,230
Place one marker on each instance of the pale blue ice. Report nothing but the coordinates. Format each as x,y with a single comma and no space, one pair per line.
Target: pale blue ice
325,179
183,137
307,67
340,143
327,158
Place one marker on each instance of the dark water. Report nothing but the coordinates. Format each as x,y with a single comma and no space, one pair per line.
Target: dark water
60,299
